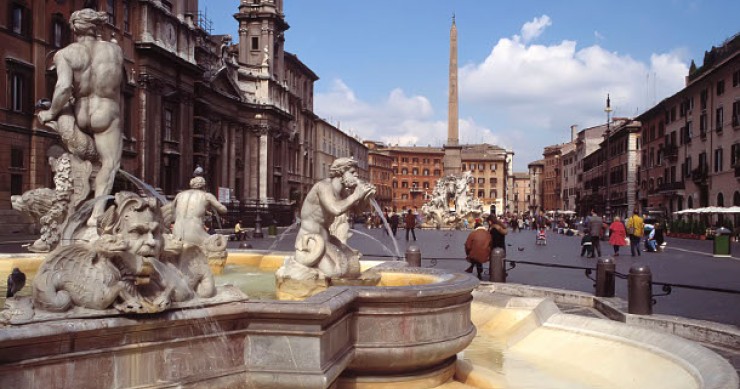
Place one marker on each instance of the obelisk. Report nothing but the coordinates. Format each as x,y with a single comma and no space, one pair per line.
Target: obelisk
452,159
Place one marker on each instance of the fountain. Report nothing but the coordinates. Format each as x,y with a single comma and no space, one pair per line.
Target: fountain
436,211
134,306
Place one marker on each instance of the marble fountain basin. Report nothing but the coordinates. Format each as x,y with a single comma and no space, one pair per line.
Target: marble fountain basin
416,330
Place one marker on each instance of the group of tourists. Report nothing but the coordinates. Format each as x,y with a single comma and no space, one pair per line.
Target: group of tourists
621,233
482,240
394,219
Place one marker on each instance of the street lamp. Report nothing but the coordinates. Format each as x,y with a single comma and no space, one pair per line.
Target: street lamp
608,110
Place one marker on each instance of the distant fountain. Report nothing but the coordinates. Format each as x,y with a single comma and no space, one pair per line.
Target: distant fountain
436,211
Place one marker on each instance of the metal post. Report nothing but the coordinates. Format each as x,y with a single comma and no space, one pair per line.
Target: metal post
413,256
496,269
605,268
640,290
257,234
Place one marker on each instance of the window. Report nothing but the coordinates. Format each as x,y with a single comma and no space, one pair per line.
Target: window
404,197
19,20
404,171
720,87
395,185
404,184
719,118
736,113
493,167
415,160
481,194
111,10
426,172
492,181
437,172
481,166
735,155
57,31
17,92
426,184
464,167
168,126
481,181
126,15
703,99
415,171
16,176
255,43
718,160
703,125
736,78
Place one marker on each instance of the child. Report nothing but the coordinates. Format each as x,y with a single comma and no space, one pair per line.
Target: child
587,245
542,236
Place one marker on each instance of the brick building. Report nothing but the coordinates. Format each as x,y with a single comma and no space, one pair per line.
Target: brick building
243,111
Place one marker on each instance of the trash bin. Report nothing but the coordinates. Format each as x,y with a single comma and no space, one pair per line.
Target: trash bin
722,242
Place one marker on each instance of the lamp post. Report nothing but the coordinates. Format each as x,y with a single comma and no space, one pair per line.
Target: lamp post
608,110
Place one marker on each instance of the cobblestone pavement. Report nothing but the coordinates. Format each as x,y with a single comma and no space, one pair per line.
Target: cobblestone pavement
684,261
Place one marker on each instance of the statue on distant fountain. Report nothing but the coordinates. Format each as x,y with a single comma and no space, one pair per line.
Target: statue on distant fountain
437,210
319,254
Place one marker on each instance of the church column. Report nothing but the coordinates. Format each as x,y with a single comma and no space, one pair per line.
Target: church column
263,168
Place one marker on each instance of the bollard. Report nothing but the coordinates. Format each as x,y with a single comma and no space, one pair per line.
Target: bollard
640,290
496,267
257,234
605,269
413,256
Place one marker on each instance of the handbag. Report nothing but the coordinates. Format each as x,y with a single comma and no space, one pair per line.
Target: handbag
631,230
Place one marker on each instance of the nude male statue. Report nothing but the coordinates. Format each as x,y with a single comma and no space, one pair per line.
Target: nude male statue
324,202
190,210
87,99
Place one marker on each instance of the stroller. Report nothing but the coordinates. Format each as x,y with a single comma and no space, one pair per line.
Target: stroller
541,237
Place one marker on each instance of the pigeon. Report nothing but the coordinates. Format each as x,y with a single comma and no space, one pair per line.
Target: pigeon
520,248
447,246
16,281
198,172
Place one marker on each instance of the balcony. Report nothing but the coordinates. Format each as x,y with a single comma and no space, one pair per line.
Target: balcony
670,152
671,187
699,175
416,190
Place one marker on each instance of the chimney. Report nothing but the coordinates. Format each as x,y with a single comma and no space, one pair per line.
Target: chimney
573,132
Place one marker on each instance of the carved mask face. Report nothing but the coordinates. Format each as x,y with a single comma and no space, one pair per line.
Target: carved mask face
141,230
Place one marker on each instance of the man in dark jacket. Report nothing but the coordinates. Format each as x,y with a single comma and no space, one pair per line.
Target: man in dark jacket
410,221
595,226
394,222
498,232
478,249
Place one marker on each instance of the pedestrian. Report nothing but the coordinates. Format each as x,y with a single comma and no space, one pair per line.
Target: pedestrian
394,222
635,230
239,232
659,237
617,235
650,244
410,224
478,249
595,226
587,247
498,232
387,218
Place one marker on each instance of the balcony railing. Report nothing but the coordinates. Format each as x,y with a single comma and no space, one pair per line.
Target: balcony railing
699,175
670,151
671,186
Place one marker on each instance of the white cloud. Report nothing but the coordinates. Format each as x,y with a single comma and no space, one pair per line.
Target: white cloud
527,94
533,29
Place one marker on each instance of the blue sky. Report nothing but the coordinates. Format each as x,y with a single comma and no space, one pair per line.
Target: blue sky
528,69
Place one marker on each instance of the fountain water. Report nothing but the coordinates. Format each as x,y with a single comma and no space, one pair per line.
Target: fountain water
385,248
143,186
282,236
376,206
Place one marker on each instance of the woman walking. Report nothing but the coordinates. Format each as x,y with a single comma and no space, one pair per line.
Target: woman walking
617,235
